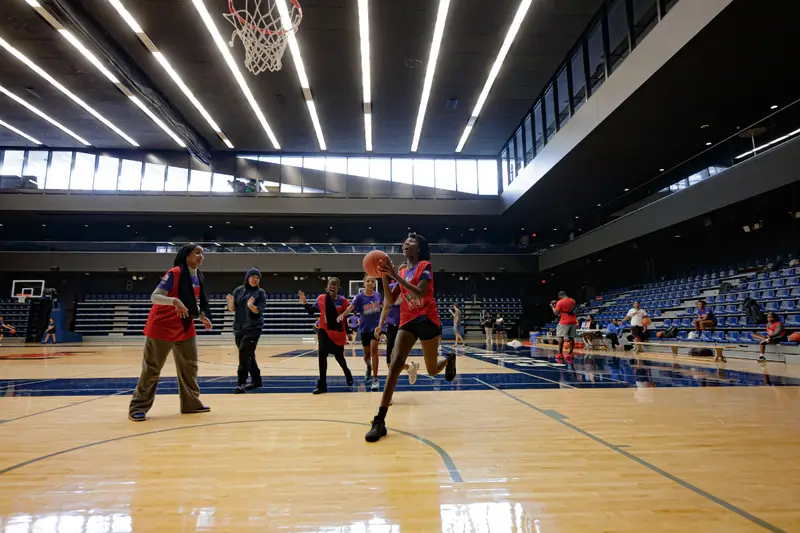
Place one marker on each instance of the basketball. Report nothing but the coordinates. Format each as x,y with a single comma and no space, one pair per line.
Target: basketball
646,321
13,332
794,337
660,334
373,261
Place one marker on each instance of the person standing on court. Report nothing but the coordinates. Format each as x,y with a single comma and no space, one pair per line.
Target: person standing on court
248,302
331,333
455,312
177,301
636,315
567,328
368,305
487,323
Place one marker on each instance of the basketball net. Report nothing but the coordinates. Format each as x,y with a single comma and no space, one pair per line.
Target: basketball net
264,27
21,298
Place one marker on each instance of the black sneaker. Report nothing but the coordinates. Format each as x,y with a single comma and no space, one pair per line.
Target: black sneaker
202,409
377,430
254,385
349,379
137,417
450,369
239,389
322,388
762,359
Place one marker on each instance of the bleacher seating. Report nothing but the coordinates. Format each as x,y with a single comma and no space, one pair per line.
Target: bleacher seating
15,314
125,314
672,303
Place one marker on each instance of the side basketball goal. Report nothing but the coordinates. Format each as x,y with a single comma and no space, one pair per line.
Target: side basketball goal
264,27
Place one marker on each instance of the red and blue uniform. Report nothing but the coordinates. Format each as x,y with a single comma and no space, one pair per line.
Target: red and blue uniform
163,323
339,337
412,308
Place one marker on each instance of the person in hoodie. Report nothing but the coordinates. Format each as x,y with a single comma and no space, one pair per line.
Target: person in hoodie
248,302
179,298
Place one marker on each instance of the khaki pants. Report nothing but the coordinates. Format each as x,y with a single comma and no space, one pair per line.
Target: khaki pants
155,355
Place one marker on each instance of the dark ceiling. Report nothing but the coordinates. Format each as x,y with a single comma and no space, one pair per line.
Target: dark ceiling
727,77
401,32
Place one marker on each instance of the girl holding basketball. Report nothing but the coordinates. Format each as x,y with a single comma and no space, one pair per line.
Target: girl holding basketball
4,326
331,333
419,319
368,304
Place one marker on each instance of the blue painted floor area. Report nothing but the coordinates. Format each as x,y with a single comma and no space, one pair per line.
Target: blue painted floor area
536,369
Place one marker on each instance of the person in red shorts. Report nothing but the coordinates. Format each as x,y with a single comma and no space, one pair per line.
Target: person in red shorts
567,328
177,301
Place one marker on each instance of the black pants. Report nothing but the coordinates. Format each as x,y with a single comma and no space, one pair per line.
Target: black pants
391,335
327,346
613,338
246,342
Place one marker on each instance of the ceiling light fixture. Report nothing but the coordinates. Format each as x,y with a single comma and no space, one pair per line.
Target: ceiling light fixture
522,10
148,43
228,57
69,94
661,170
21,133
774,107
775,141
366,84
436,43
42,115
708,144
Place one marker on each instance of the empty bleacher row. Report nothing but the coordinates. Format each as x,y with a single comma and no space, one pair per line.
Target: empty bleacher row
125,314
673,303
15,314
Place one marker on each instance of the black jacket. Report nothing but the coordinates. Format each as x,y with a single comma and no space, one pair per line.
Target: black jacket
245,319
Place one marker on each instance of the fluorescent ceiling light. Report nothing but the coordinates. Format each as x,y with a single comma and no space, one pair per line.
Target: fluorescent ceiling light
45,14
22,134
44,116
438,32
775,141
522,10
366,84
226,55
38,70
148,43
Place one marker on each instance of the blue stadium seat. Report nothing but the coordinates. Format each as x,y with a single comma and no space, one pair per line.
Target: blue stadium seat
686,323
793,320
718,336
777,283
733,321
792,282
788,305
771,306
732,336
667,322
682,335
782,293
747,338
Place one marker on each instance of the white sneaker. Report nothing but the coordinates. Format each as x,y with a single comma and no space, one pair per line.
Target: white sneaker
375,385
413,368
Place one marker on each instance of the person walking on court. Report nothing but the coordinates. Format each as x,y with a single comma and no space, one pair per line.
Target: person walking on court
177,301
331,333
455,312
487,323
567,328
248,302
636,315
368,305
419,319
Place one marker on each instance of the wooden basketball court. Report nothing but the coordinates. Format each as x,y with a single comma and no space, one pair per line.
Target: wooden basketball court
518,443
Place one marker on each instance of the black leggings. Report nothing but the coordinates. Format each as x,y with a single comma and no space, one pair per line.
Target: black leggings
613,338
327,346
246,342
391,334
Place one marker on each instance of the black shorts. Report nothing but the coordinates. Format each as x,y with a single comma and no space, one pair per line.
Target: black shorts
637,331
424,330
773,340
367,337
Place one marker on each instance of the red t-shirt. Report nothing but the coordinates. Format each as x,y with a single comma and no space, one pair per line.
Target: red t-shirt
163,323
411,307
566,306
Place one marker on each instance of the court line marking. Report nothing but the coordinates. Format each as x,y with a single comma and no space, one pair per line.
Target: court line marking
94,399
561,419
452,470
497,363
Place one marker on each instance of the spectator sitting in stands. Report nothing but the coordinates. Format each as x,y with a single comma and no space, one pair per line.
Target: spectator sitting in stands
705,318
776,334
613,331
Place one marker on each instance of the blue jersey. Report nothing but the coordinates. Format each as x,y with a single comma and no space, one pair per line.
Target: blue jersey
393,317
369,307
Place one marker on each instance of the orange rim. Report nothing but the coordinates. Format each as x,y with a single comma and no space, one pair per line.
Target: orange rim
235,13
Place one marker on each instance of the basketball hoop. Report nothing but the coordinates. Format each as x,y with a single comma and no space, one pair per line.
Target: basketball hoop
264,27
21,298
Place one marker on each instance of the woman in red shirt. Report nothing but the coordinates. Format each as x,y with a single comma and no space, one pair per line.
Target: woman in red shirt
331,334
776,334
419,319
177,301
